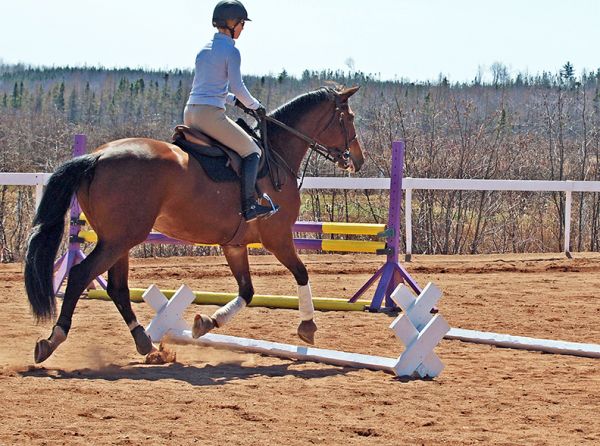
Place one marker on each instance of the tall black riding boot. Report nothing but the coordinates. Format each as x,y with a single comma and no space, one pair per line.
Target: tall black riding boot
251,210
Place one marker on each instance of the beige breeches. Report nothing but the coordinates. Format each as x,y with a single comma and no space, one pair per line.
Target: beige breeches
212,121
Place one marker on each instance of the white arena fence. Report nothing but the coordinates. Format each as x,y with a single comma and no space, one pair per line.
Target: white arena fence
38,180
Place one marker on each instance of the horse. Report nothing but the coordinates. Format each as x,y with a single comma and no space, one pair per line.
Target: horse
129,186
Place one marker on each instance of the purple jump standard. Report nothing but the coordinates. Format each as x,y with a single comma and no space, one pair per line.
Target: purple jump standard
74,254
392,273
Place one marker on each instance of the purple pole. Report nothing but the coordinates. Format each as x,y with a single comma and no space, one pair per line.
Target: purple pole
74,254
79,149
392,273
395,200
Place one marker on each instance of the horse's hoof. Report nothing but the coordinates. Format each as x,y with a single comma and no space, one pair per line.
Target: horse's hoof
45,347
202,325
306,331
43,350
143,343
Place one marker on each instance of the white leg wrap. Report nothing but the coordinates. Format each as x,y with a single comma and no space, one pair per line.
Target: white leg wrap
227,312
305,303
133,325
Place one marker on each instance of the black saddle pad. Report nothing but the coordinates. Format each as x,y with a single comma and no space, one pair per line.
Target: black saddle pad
216,167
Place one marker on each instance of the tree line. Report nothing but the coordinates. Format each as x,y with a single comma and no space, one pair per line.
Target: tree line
497,126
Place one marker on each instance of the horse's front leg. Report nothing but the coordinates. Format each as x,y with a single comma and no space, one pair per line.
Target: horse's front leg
237,258
118,291
285,251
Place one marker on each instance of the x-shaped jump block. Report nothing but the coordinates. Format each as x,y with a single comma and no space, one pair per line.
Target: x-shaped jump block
168,312
419,331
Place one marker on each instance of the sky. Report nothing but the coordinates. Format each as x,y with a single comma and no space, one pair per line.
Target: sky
415,40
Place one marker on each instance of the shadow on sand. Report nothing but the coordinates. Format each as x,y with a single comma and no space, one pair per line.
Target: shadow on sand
207,375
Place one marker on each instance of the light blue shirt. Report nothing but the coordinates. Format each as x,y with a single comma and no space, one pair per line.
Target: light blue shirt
218,73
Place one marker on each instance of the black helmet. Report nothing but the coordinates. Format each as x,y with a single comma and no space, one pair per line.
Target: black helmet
229,10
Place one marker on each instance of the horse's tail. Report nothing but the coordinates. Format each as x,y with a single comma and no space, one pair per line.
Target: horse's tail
47,231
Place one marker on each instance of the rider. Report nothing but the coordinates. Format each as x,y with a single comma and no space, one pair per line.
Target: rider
217,74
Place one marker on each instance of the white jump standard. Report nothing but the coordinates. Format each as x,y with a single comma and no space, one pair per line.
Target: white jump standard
416,327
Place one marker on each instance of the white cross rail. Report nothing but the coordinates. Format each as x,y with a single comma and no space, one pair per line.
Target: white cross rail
416,327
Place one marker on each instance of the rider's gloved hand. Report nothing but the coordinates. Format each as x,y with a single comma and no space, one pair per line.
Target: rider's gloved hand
261,112
239,104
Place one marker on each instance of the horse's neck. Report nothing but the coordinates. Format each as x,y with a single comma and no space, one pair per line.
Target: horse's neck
291,148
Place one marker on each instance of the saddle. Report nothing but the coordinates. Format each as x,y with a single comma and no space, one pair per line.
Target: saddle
220,163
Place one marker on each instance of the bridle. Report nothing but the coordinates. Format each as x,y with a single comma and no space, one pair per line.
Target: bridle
334,154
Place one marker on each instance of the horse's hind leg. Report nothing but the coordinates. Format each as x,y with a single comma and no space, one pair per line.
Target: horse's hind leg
285,251
237,258
100,259
118,290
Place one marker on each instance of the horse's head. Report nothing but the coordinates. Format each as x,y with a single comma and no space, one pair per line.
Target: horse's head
339,136
326,122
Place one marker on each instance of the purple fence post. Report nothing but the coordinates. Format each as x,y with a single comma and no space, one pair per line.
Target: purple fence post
392,273
79,148
397,174
74,254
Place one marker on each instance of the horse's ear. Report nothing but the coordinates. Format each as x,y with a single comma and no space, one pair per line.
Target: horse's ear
347,92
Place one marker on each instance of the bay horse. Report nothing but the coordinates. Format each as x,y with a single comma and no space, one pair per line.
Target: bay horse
130,186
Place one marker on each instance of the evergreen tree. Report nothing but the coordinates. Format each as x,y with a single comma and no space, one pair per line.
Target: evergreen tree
59,97
139,84
567,72
519,80
39,100
73,106
282,76
16,99
179,93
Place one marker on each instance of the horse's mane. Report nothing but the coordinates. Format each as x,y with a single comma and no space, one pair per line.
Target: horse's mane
292,110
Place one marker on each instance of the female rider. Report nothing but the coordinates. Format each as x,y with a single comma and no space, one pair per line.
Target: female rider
217,81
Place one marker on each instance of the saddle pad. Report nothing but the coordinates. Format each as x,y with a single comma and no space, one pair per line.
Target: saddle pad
216,167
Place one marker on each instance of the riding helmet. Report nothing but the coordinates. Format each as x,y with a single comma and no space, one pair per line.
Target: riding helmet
229,10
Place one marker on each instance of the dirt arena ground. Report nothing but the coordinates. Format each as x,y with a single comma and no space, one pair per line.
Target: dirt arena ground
96,390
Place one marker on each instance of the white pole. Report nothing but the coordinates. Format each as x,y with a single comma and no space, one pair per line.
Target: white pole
408,223
568,203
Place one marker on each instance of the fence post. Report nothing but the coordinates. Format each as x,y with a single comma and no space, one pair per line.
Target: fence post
568,204
408,223
39,192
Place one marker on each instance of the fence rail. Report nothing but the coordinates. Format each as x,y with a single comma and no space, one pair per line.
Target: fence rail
38,180
408,184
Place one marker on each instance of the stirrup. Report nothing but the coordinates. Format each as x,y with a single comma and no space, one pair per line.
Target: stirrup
259,211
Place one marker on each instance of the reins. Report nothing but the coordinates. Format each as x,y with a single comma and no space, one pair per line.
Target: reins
313,144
